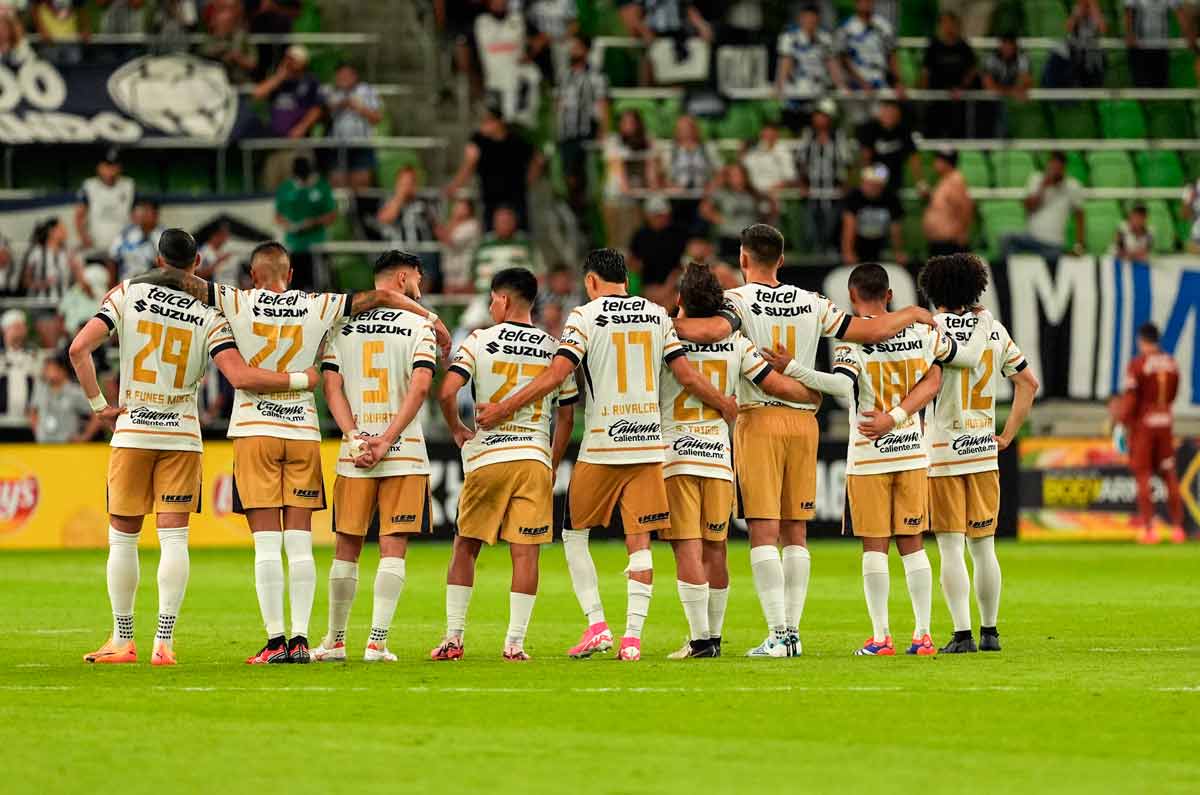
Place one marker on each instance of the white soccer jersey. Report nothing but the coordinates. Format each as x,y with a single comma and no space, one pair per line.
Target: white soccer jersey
166,337
963,417
621,342
108,208
884,373
376,353
281,332
696,436
782,315
497,362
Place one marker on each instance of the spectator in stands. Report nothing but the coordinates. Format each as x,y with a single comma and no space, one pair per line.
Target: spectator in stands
506,163
807,67
354,109
866,45
14,47
649,20
562,288
218,263
551,24
1147,28
10,274
769,164
135,249
58,411
459,236
506,246
62,25
630,167
1085,26
104,204
949,65
228,42
47,271
123,17
947,219
975,15
18,365
1050,198
410,221
732,205
823,160
582,119
887,139
500,40
171,21
305,208
50,331
271,17
83,297
294,97
456,21
1191,212
691,165
872,216
1134,240
1006,72
655,251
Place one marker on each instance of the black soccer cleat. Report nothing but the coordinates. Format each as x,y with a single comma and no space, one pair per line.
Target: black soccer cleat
715,642
274,653
703,648
989,639
961,643
297,650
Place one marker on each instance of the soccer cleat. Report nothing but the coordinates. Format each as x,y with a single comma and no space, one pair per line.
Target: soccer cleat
682,653
515,654
163,654
274,653
596,638
922,647
715,640
448,649
793,643
772,646
113,653
874,648
297,649
989,639
960,643
378,654
1178,535
334,652
1148,536
631,650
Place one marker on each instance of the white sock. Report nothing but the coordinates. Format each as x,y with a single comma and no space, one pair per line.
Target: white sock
343,583
173,567
767,569
956,584
389,584
268,579
583,574
122,581
637,604
987,578
695,608
797,564
919,576
458,597
520,608
875,586
717,599
302,578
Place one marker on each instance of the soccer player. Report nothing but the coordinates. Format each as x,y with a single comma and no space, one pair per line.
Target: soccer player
509,487
165,337
776,440
964,479
699,475
378,368
619,341
276,440
1151,382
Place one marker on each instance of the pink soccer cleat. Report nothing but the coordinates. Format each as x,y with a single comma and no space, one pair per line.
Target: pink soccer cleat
631,650
596,638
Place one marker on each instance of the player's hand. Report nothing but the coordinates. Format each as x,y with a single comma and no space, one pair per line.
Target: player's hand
1002,442
378,447
778,357
489,415
108,415
462,434
920,314
874,424
444,340
729,410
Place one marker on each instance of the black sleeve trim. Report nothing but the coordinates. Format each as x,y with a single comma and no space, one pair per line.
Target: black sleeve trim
349,303
571,401
422,363
762,375
953,352
454,368
330,367
842,329
675,354
735,322
846,371
567,353
1020,367
224,346
107,321
212,293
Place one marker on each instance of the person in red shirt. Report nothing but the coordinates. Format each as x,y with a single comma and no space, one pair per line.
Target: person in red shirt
1151,383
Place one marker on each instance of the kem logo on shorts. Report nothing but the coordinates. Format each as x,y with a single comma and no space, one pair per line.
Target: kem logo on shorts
914,521
808,505
654,517
534,531
980,525
404,518
176,498
308,494
716,527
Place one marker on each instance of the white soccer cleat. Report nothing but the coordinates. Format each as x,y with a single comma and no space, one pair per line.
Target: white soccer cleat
682,654
334,652
770,647
378,654
631,650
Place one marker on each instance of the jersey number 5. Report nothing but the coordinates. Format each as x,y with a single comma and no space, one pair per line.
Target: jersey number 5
176,347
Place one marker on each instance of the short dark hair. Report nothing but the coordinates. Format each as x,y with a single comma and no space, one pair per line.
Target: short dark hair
1148,332
145,201
561,267
606,263
870,280
177,248
395,258
1059,155
699,291
268,247
1138,208
519,281
763,242
949,155
954,281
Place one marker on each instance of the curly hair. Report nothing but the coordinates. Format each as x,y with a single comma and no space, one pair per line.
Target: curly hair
954,281
699,291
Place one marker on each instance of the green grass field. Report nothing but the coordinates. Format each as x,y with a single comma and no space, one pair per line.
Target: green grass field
1097,689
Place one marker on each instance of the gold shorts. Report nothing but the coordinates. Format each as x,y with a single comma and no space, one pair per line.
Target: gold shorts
965,503
700,508
277,473
596,489
141,482
402,500
775,455
513,500
891,504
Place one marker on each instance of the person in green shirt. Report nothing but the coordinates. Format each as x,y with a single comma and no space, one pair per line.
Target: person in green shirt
305,208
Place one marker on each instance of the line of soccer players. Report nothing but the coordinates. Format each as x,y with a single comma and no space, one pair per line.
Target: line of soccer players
660,396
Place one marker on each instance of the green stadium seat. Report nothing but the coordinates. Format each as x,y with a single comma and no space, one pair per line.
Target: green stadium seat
351,272
1116,69
909,64
190,175
1007,18
1191,164
1037,63
1026,120
1111,170
1077,167
1102,217
974,168
1162,224
1012,168
1122,118
742,121
1168,119
1183,69
918,17
1074,120
1045,18
1159,168
1000,217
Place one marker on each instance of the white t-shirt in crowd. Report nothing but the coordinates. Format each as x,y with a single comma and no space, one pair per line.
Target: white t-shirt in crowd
1048,223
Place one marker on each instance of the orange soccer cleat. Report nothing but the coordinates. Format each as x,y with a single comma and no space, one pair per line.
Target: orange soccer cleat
163,655
113,653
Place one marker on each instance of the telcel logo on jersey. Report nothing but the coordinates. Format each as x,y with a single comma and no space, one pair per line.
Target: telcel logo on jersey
279,305
170,305
970,445
377,321
280,412
19,495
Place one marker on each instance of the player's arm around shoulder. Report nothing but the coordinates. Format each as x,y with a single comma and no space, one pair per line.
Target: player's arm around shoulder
697,385
877,329
489,415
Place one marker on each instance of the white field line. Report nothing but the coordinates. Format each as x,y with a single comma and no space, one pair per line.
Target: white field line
519,690
1144,650
71,631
